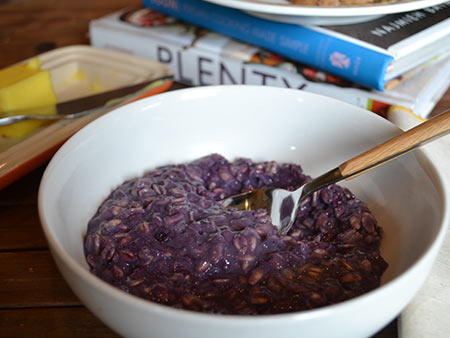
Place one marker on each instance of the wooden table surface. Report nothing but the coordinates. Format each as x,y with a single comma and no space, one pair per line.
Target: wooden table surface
35,301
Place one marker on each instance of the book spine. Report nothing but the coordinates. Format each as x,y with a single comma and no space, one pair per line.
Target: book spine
351,61
197,67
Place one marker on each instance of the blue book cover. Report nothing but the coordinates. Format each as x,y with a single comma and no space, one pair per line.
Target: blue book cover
340,57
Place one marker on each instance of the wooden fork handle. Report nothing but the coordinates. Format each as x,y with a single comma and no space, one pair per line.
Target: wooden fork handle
397,146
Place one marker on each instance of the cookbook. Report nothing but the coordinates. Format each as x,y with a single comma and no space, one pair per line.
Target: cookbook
198,57
370,53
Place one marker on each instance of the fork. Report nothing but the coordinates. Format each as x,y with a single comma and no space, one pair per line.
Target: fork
282,204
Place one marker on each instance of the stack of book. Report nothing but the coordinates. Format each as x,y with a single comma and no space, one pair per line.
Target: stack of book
401,59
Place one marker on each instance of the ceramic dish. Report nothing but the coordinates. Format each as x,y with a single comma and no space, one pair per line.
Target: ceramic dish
76,71
284,11
407,197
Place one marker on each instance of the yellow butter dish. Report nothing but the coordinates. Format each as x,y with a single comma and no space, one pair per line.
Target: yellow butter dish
74,72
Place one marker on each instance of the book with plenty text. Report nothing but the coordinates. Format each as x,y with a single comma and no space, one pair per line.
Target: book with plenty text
200,57
370,54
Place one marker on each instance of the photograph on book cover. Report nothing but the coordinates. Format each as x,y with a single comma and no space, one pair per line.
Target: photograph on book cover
336,12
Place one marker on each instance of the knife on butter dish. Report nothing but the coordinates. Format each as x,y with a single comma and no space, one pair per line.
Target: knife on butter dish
85,105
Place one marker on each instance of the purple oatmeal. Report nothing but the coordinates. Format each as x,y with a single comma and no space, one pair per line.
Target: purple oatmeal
166,238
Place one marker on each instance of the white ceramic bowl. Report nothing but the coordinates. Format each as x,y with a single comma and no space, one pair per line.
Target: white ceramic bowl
263,123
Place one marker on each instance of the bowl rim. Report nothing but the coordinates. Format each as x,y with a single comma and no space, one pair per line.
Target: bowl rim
58,251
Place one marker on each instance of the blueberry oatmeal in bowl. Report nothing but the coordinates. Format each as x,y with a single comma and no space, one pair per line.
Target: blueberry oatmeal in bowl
135,225
165,237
